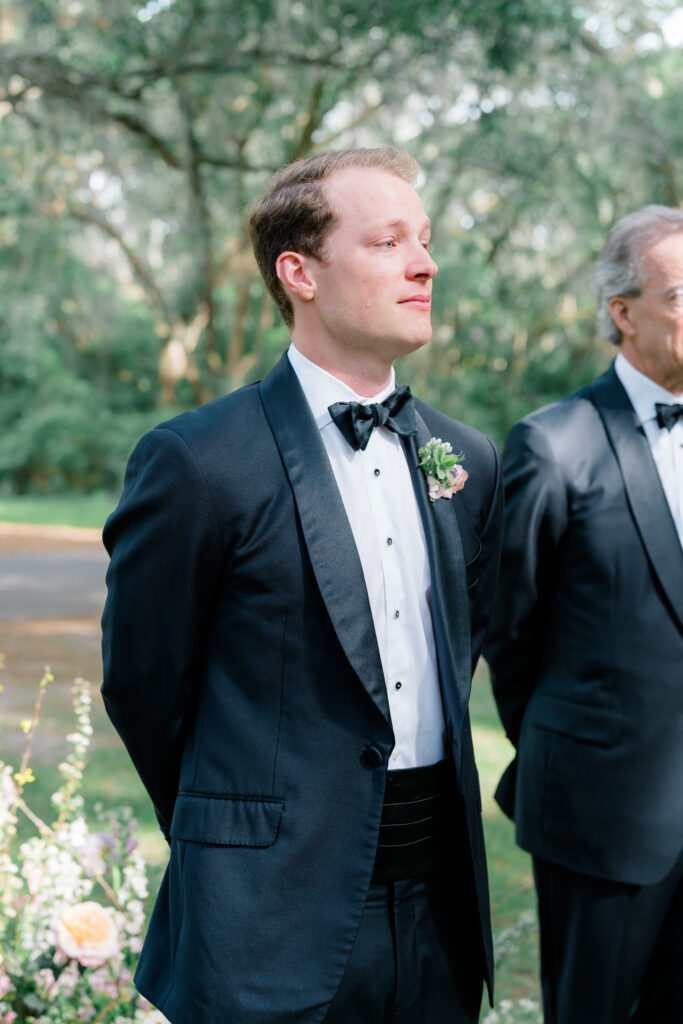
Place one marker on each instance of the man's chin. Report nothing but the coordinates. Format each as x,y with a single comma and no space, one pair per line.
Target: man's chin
407,345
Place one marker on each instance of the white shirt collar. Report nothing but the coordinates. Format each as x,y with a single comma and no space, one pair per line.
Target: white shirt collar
322,389
642,391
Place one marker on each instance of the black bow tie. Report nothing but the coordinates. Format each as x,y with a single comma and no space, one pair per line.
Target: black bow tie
357,421
668,414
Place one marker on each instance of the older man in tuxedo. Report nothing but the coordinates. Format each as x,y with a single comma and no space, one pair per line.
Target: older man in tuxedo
586,649
294,613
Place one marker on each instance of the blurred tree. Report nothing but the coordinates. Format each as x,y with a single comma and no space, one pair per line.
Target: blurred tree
134,136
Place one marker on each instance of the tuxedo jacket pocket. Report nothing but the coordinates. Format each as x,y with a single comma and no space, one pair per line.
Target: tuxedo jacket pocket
226,820
600,726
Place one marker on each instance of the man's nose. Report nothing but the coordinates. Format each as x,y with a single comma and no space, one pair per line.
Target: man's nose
423,265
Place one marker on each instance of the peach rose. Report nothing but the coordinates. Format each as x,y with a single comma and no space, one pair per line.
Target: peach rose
439,490
86,932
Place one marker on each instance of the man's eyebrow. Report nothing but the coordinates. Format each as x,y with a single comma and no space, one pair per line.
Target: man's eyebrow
398,223
671,290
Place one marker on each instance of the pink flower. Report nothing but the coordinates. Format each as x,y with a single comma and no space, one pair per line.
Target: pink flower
68,979
460,476
86,933
439,490
101,981
91,854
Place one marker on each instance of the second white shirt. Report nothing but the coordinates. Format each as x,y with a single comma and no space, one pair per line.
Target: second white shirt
666,445
377,492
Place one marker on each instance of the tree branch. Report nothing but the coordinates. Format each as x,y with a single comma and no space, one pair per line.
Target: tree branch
140,269
202,218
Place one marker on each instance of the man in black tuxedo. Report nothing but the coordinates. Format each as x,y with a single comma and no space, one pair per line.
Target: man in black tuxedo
289,639
586,649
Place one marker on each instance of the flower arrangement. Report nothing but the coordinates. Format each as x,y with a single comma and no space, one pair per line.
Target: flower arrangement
445,475
520,1011
71,897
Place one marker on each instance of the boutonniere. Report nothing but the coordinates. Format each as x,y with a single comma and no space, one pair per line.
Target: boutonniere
445,475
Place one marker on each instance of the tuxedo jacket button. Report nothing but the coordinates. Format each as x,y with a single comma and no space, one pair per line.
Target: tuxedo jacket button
372,757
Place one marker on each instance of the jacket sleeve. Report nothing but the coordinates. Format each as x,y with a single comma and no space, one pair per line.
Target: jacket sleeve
166,555
535,519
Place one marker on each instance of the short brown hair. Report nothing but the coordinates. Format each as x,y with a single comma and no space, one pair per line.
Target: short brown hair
294,212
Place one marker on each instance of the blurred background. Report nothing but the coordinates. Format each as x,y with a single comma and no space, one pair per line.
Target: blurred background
134,137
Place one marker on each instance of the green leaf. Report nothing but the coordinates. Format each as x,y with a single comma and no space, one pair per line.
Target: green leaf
34,1002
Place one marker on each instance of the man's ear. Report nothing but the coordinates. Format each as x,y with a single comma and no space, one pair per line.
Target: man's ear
620,311
293,270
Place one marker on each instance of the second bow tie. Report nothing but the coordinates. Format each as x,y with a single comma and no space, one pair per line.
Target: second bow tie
668,414
357,421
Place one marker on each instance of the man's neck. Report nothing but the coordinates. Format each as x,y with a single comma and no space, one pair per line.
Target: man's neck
673,384
364,376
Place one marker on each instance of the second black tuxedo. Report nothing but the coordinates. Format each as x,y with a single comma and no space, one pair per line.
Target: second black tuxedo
586,647
242,671
586,653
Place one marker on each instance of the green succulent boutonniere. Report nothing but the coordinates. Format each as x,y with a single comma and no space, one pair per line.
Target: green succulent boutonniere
445,475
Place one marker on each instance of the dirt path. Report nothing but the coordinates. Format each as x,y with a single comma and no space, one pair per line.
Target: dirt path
50,572
51,595
16,539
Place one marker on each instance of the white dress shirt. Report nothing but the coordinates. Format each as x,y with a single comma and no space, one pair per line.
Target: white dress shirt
666,445
377,492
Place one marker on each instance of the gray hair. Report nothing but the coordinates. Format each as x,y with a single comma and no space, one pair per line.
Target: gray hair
618,269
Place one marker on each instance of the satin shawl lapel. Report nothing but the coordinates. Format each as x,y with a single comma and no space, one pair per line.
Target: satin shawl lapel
450,606
329,539
644,490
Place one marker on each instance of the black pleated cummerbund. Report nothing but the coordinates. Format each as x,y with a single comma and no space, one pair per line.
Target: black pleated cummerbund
417,821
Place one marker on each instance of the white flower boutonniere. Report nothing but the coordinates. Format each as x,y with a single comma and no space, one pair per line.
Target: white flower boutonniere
445,475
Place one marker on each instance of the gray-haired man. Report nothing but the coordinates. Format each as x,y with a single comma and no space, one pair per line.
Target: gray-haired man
586,649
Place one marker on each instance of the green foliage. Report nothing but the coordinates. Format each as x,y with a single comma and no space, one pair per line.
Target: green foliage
72,898
135,135
78,375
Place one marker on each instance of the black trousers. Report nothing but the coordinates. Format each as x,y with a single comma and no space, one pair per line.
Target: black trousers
411,962
610,953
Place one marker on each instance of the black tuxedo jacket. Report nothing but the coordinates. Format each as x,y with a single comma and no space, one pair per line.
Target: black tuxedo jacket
242,671
586,648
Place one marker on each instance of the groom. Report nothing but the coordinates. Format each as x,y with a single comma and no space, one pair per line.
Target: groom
289,639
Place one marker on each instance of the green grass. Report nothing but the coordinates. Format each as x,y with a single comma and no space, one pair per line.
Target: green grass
68,510
510,876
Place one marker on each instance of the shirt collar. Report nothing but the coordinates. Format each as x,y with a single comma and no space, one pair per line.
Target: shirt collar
322,389
642,391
